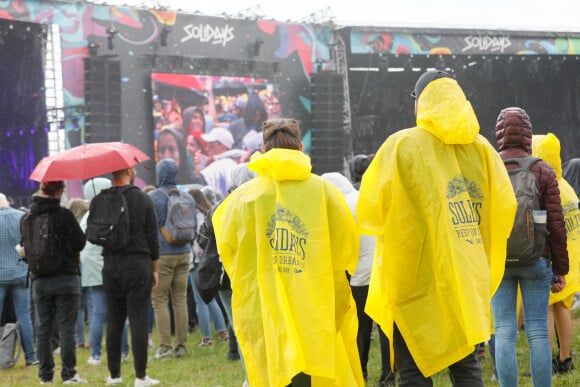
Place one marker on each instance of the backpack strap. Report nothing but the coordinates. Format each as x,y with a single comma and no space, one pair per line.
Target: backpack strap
523,162
167,197
124,188
170,191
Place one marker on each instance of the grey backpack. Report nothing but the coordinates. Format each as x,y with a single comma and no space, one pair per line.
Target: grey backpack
9,345
527,239
180,221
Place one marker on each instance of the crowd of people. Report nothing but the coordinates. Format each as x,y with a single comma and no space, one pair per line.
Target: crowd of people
416,243
208,140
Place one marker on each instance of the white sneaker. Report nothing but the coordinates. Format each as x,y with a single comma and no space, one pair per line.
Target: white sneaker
94,361
111,381
146,382
124,357
75,380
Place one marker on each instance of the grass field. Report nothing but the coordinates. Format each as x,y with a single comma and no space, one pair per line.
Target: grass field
208,367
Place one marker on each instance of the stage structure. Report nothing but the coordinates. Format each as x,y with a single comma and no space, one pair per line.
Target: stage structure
539,72
348,86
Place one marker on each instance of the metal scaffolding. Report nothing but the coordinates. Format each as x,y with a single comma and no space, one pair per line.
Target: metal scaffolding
338,47
54,97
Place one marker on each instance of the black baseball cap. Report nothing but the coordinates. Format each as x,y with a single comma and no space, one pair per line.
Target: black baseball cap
426,78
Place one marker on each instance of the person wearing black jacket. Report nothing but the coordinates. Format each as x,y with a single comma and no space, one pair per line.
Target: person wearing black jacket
129,275
56,297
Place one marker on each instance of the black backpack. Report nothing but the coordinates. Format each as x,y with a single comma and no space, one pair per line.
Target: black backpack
108,223
210,271
40,241
527,239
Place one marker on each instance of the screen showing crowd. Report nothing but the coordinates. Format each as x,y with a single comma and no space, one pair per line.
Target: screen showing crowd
208,124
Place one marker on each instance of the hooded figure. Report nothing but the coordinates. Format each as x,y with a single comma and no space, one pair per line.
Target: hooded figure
286,239
254,115
167,172
534,281
440,202
547,147
513,132
174,264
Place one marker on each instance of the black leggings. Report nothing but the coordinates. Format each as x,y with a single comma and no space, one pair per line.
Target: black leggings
127,282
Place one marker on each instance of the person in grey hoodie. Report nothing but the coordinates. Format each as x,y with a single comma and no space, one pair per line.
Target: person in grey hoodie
173,270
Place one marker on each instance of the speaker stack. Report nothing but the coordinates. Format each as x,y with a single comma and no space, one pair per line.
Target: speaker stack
327,122
102,99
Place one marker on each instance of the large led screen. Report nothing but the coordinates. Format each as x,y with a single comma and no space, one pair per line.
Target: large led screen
208,124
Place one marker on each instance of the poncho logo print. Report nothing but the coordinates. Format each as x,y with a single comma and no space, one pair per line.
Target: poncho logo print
465,213
287,235
572,219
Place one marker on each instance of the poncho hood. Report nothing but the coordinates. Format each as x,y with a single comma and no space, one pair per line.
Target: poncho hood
281,164
547,147
444,111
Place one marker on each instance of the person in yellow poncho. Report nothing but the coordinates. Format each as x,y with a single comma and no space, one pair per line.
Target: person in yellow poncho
440,202
286,239
547,147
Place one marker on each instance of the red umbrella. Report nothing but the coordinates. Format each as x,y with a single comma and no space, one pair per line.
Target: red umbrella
179,80
88,160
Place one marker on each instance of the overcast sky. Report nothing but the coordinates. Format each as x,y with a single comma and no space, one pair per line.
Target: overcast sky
527,15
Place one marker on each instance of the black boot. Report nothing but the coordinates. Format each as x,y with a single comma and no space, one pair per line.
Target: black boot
565,366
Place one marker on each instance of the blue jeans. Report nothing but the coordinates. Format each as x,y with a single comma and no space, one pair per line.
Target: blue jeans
21,300
534,282
226,297
84,304
56,300
206,311
96,323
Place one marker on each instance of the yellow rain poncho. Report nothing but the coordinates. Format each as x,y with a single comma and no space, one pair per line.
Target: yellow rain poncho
547,147
286,239
440,201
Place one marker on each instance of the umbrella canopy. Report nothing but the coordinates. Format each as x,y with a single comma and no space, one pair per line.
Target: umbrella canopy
88,160
229,88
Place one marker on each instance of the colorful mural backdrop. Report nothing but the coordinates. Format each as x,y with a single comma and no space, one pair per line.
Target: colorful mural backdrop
147,41
464,43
